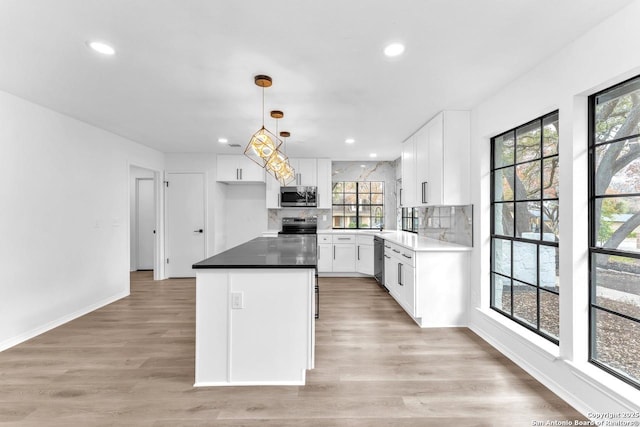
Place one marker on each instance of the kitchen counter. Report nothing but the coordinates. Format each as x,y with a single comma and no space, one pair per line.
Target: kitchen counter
405,239
267,252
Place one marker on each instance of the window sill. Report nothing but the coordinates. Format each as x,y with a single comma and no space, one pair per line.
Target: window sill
608,384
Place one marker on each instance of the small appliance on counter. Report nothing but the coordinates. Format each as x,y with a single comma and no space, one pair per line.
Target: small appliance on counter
298,197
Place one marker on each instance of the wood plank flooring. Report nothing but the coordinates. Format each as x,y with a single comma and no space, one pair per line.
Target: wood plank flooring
132,364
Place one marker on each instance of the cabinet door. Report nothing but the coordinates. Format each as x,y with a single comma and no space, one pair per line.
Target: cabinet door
421,139
407,286
272,191
227,168
364,259
391,274
435,158
324,184
408,193
325,258
250,171
344,257
455,170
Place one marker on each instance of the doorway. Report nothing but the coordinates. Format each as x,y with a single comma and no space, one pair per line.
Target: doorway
144,216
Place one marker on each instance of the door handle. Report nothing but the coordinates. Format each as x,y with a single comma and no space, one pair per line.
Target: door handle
199,230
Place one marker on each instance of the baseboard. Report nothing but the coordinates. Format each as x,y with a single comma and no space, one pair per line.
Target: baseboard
11,342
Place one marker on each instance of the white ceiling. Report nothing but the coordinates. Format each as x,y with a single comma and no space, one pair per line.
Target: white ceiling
183,73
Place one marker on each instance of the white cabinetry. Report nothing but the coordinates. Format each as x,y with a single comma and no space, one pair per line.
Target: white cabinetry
325,253
364,255
435,162
408,190
400,275
344,253
305,172
232,168
324,184
272,191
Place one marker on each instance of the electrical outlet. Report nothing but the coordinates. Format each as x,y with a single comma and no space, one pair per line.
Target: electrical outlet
237,300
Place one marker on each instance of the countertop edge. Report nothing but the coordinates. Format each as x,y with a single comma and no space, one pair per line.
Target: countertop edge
438,245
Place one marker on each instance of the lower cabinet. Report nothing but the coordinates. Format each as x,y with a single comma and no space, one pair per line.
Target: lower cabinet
432,287
337,253
364,255
325,257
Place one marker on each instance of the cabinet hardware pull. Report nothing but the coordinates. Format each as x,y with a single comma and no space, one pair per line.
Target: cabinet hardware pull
400,274
237,174
396,251
319,252
401,197
358,252
334,252
278,200
424,192
387,246
344,238
240,174
406,256
387,256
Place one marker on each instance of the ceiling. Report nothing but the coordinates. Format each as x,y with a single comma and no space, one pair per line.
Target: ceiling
182,75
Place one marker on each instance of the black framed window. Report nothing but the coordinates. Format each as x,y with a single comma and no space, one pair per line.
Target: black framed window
358,204
409,220
524,225
614,222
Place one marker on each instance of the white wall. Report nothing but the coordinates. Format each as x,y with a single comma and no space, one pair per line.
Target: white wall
215,227
246,213
64,217
604,56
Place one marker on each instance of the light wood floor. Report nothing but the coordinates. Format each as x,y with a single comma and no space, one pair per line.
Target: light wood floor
132,363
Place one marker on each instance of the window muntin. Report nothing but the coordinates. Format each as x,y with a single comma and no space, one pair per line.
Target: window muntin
525,227
409,221
614,221
358,204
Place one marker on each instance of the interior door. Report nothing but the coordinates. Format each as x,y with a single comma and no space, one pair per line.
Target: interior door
145,223
185,218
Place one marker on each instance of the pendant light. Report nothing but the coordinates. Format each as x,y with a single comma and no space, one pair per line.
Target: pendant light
290,173
263,144
278,164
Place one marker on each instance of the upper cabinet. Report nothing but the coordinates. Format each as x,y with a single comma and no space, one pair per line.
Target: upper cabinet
306,170
439,172
238,169
323,196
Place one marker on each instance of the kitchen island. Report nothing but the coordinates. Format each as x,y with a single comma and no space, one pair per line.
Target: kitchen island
255,313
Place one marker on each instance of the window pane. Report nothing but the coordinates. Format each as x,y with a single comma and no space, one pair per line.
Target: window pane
503,219
377,187
503,185
551,217
502,256
338,217
349,187
618,223
377,199
616,343
549,313
528,220
501,293
528,142
551,172
365,222
350,199
503,150
525,262
613,112
617,284
338,198
338,187
525,303
549,268
363,187
618,168
364,210
550,135
528,181
365,199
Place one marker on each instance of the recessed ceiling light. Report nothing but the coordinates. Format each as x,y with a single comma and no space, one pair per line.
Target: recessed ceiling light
394,49
223,140
373,155
102,48
363,166
349,140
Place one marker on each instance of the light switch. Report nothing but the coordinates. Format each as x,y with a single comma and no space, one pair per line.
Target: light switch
237,300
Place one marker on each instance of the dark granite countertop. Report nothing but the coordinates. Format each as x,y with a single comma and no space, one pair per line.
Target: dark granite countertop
267,252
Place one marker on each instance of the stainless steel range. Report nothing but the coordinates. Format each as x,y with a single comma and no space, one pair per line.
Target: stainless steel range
296,226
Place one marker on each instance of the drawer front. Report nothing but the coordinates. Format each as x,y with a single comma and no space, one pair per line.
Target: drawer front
364,240
324,238
408,257
344,238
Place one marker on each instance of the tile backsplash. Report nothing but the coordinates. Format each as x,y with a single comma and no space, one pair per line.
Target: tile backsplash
447,223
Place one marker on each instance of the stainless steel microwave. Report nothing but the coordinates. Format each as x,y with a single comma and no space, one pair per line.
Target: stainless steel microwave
298,197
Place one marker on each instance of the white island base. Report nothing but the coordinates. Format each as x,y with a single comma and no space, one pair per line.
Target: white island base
254,326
